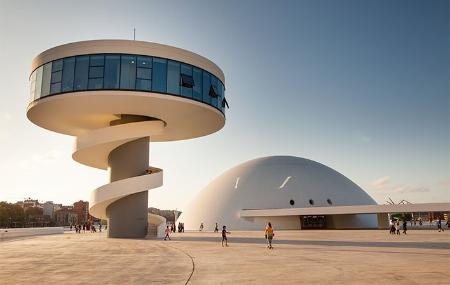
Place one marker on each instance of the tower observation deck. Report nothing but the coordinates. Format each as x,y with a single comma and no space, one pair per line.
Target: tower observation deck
115,97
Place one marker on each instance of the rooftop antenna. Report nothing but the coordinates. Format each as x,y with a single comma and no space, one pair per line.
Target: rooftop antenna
134,34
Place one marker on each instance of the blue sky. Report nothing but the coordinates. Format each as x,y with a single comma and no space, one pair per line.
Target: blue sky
360,86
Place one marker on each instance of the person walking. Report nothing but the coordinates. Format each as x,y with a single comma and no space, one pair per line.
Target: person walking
404,226
439,225
100,227
269,235
167,231
392,227
224,235
216,229
201,226
397,227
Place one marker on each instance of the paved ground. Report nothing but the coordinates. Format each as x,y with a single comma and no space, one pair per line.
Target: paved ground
299,257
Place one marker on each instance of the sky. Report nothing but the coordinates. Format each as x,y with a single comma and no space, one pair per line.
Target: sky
360,86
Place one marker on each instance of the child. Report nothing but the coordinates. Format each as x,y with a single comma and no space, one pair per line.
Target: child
269,235
167,233
224,235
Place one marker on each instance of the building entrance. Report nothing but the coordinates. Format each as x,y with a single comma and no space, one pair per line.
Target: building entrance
313,222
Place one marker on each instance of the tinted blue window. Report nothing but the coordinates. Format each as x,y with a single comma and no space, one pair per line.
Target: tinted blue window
144,61
81,73
68,74
95,71
95,83
197,89
214,83
173,77
144,73
56,76
187,70
220,90
143,84
55,88
128,72
38,88
57,65
46,76
112,71
159,75
97,60
206,87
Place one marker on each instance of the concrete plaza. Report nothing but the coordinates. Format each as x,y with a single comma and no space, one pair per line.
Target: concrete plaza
298,257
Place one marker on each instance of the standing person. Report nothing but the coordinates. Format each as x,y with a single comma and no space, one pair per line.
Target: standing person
201,226
391,227
448,223
269,235
439,224
167,233
397,227
404,226
420,221
70,227
224,235
100,227
84,228
216,229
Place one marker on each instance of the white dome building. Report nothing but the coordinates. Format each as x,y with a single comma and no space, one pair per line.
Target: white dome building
278,182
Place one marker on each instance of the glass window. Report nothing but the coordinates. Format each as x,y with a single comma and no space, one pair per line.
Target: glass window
197,90
57,65
214,93
159,75
32,85
37,90
95,71
143,84
68,74
187,81
56,76
128,72
206,87
55,88
95,83
47,73
144,73
97,60
144,61
173,77
220,98
81,72
112,71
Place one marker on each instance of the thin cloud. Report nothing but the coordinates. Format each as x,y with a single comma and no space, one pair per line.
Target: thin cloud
409,189
361,137
381,183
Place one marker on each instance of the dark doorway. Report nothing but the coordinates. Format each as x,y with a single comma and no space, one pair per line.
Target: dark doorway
313,222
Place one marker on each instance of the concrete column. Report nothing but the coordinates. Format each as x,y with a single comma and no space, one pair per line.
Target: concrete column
383,222
128,217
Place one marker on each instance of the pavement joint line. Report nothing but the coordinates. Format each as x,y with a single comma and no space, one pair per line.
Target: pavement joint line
192,260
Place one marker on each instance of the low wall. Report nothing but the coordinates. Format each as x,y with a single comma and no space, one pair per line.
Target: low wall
25,232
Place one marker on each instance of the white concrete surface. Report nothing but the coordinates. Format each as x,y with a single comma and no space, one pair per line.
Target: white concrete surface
26,232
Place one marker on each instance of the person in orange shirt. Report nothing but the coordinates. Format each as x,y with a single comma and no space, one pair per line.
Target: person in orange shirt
269,235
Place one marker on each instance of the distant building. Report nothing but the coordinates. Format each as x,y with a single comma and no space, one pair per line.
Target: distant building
66,216
82,210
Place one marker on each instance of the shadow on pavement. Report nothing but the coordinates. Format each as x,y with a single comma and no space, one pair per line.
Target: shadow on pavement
331,243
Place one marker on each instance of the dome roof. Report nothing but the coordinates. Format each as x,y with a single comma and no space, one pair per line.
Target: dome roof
270,183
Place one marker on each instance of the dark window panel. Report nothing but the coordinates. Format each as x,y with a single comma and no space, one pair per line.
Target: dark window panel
143,84
46,77
68,74
56,76
159,75
173,77
97,60
187,81
95,83
144,73
144,61
96,72
55,88
81,72
128,72
213,92
57,65
112,71
206,87
197,90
